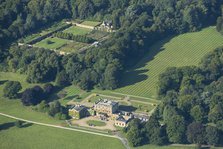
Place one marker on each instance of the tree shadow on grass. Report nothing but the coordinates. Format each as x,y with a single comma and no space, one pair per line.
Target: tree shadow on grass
71,97
25,125
6,126
127,108
136,74
3,81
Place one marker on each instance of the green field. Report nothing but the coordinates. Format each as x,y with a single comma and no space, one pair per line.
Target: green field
14,106
96,34
73,93
40,137
183,50
91,23
142,107
96,123
52,43
76,30
193,146
73,47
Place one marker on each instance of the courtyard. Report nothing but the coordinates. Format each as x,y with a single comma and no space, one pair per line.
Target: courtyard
84,122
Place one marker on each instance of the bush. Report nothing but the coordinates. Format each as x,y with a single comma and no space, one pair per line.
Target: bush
11,89
18,123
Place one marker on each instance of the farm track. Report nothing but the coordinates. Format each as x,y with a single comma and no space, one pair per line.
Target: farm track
123,140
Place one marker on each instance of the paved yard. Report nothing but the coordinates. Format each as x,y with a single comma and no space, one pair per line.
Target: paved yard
83,122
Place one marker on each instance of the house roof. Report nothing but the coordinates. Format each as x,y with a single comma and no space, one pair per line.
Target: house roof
121,118
78,107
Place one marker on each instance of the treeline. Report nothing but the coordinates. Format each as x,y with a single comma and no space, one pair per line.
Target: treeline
36,97
19,17
44,66
70,36
140,23
191,109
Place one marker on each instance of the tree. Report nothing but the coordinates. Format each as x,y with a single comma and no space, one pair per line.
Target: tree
220,125
62,79
85,9
48,88
196,133
212,135
32,96
110,77
219,25
155,134
18,123
54,108
216,113
197,113
176,128
11,89
134,136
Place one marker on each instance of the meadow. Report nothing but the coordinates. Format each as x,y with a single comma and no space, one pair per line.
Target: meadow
183,50
91,23
14,106
76,30
39,137
35,136
52,43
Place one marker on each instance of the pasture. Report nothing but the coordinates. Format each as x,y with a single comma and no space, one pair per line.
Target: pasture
76,30
42,137
52,43
91,23
14,106
183,50
39,137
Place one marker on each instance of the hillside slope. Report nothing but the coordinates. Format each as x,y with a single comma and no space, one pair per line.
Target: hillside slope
183,50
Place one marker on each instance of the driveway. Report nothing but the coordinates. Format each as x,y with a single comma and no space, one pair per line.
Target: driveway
83,122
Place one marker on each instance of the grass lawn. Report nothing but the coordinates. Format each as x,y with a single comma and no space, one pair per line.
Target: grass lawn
95,34
170,147
73,47
73,93
4,76
142,107
183,50
14,106
96,123
76,30
40,137
52,43
91,23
